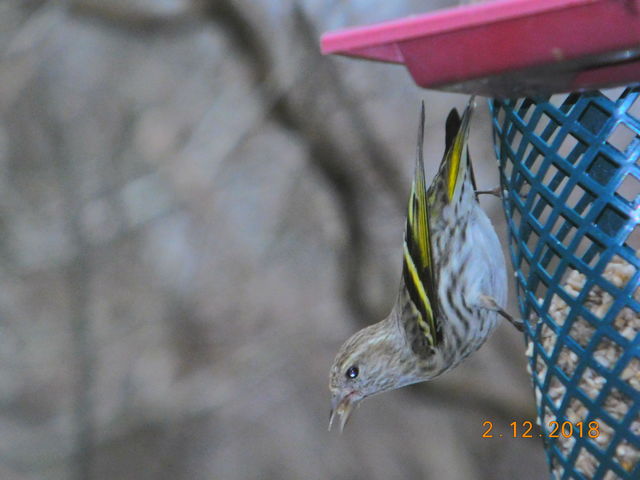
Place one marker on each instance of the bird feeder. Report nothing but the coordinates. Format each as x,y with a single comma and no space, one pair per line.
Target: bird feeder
570,173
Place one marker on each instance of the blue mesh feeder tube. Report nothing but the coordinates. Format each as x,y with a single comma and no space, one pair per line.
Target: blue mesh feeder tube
570,173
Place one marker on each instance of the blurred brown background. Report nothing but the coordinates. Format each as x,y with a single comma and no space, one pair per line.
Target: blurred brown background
196,209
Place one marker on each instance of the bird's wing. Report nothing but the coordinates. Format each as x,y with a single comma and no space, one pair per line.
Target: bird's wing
418,268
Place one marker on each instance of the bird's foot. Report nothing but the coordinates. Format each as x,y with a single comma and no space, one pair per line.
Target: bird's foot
496,192
490,303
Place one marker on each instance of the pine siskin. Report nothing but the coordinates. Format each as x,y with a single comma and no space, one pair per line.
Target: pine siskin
453,285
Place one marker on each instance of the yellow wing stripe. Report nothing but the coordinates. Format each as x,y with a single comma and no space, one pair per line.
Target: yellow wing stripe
420,229
417,283
454,168
457,158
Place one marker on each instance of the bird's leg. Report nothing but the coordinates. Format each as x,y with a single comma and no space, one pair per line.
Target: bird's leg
496,192
490,303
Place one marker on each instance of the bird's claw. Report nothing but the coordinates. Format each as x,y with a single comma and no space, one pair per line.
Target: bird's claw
496,192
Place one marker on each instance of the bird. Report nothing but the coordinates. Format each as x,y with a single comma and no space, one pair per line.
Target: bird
453,285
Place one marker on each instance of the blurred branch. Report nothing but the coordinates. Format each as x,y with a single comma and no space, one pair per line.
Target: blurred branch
36,27
78,276
376,152
19,56
132,17
327,155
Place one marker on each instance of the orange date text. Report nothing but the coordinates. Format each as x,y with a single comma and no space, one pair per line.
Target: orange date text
555,429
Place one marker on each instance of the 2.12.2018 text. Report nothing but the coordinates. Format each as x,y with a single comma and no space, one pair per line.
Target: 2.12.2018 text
556,430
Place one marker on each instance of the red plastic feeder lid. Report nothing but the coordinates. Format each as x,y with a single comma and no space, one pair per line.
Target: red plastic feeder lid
507,48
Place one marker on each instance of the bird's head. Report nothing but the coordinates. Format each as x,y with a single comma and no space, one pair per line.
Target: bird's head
373,360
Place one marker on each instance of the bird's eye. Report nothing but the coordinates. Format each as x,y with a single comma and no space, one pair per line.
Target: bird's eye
352,372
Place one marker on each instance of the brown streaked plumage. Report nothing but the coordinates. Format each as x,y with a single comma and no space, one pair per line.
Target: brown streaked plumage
452,289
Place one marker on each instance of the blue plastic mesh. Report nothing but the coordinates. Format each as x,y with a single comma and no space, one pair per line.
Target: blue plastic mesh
570,170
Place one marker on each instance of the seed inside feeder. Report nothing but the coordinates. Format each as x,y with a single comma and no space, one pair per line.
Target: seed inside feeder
606,353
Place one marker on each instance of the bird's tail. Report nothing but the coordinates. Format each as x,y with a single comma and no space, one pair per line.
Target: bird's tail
456,162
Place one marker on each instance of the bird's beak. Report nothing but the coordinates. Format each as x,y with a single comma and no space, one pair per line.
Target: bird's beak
342,406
